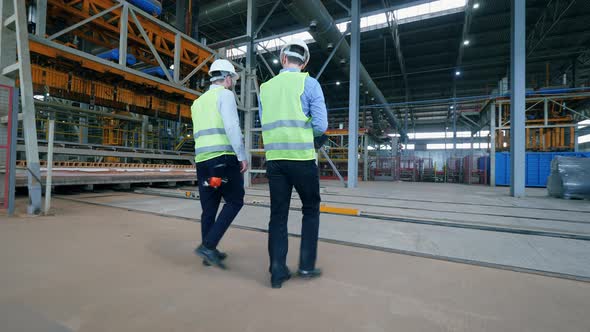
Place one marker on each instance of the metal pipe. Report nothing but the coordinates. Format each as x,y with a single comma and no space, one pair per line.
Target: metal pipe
327,32
215,12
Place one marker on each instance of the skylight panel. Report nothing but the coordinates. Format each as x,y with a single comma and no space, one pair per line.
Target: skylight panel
369,22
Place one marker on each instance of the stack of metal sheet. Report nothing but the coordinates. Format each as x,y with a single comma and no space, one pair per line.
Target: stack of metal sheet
569,178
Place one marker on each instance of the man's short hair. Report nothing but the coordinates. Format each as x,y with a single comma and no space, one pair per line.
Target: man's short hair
294,60
219,75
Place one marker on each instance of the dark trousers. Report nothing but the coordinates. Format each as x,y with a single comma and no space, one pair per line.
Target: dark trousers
226,167
283,175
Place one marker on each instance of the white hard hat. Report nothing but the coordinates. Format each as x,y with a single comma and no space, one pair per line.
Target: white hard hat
222,65
287,50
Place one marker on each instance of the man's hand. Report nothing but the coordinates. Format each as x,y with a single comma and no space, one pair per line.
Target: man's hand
319,141
244,166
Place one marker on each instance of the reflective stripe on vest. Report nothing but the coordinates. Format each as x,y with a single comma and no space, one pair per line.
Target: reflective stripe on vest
287,124
209,132
286,132
212,131
213,148
288,146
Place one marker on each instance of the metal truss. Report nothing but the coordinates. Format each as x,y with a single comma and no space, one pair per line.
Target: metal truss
553,13
464,36
393,29
583,59
115,24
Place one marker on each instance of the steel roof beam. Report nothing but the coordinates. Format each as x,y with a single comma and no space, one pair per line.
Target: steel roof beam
394,30
553,13
326,32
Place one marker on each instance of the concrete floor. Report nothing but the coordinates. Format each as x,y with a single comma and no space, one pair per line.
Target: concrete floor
92,268
457,204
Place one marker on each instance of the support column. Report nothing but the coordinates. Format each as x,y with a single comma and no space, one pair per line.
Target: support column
41,18
144,130
353,106
365,157
11,165
493,145
249,89
576,135
545,112
83,131
574,62
181,13
48,185
194,19
454,130
123,28
177,55
517,102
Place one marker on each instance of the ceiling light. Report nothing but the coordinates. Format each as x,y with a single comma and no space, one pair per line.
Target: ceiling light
457,73
337,82
475,5
275,61
393,135
466,42
452,107
172,67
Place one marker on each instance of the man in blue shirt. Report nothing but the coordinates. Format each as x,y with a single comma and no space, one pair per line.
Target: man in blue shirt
292,117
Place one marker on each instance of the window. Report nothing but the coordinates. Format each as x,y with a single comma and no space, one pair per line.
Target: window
460,146
409,146
584,139
440,134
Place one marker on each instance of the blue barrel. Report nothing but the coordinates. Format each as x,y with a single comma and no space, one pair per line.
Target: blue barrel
113,55
153,7
157,71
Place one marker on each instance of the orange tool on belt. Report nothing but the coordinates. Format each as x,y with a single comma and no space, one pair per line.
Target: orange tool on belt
214,182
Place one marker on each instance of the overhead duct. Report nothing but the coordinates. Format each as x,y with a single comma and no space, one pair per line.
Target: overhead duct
326,32
218,10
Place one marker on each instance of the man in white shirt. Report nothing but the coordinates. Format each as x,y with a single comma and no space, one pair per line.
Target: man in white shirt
221,159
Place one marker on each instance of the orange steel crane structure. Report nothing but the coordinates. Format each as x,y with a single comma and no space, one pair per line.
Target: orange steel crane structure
62,68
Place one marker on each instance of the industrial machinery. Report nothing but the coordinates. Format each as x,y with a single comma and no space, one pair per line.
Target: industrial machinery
336,149
550,124
119,83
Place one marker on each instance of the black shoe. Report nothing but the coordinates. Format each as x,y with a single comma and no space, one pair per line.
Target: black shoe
211,256
309,274
279,282
221,255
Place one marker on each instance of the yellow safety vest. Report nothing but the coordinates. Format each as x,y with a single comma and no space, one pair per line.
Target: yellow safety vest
286,132
209,132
